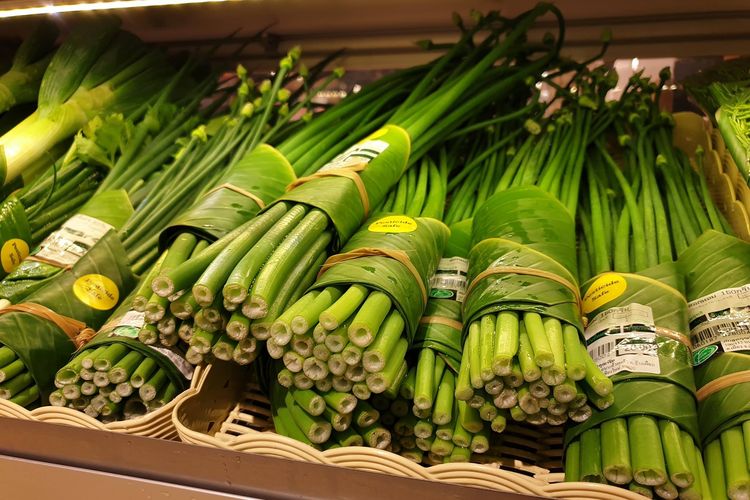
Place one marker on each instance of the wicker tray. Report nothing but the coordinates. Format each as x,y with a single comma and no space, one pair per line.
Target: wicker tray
157,424
230,412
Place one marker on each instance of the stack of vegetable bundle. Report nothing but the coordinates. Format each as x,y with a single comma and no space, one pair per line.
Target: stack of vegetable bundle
635,302
325,209
522,313
717,270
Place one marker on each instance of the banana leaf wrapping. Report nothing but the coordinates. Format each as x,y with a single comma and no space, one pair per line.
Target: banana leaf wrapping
421,239
122,328
264,173
384,155
15,235
531,230
64,247
648,309
717,271
440,326
87,293
646,397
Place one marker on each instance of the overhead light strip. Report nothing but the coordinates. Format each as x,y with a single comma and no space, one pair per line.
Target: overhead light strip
94,6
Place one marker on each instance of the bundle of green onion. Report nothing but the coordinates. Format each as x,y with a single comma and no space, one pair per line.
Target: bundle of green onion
352,329
38,335
717,270
115,377
523,350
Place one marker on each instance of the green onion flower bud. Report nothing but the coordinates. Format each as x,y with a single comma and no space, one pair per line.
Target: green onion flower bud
283,95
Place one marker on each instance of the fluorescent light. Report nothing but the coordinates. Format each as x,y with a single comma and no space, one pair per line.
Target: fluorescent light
86,7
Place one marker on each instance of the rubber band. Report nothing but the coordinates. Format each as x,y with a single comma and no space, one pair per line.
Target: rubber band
239,190
77,331
440,320
397,255
529,271
350,173
679,337
722,383
51,262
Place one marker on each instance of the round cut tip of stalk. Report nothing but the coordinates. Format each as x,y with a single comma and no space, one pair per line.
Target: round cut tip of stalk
66,376
257,308
162,286
261,331
236,330
328,322
234,294
281,333
360,335
203,295
379,439
299,325
649,477
618,474
377,383
315,369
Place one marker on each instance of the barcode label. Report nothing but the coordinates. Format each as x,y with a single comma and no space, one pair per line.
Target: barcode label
720,322
634,352
450,280
68,244
127,325
358,154
632,317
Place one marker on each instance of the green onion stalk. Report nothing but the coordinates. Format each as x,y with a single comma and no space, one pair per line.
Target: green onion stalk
20,84
250,274
522,330
717,274
635,219
98,69
86,293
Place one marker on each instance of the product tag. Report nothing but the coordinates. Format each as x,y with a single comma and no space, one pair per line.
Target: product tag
12,253
177,359
359,154
720,322
624,339
393,224
68,244
450,280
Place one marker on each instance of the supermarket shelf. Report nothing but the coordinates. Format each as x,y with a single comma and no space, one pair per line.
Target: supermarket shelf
382,34
150,466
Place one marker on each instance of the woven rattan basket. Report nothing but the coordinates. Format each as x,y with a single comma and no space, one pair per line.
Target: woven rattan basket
230,412
156,424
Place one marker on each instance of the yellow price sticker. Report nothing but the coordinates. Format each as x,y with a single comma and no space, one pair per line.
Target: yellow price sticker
393,224
605,288
96,291
12,253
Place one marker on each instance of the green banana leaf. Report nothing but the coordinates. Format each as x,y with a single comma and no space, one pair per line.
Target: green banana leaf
423,242
15,235
448,285
645,397
714,262
112,208
523,227
122,328
263,172
339,197
662,289
88,293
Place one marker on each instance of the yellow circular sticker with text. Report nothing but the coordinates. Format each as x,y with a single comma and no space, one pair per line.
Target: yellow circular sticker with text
605,288
13,252
393,224
96,291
